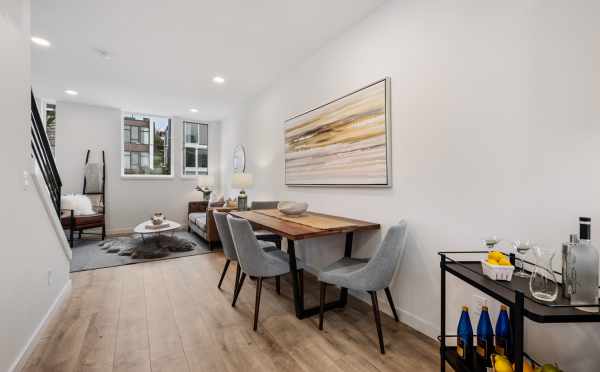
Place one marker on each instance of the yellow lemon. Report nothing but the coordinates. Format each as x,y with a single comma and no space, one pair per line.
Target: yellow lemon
492,261
504,261
502,365
495,255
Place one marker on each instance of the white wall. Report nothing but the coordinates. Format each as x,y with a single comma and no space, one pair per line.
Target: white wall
495,131
30,246
129,201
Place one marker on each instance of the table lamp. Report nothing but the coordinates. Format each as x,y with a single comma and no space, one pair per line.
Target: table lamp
205,181
242,181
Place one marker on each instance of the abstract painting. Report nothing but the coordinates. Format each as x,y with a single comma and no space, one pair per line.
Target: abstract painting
345,142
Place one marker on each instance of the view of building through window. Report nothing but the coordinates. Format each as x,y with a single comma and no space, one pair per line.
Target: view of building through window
51,125
195,149
146,145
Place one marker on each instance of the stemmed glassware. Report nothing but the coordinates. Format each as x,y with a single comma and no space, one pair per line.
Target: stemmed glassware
522,247
491,242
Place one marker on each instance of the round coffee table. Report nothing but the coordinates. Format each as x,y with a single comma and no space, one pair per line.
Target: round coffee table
147,250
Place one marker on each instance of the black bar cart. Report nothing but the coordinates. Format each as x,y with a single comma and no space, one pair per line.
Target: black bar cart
514,294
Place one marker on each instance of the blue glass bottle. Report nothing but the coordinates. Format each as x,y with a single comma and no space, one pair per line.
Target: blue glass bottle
485,338
464,342
503,333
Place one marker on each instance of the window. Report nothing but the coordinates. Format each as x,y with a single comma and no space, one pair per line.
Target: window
195,148
50,112
146,145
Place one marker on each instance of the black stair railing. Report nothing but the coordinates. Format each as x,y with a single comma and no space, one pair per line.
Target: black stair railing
43,155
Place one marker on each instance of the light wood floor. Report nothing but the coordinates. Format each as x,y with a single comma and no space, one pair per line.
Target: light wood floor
169,316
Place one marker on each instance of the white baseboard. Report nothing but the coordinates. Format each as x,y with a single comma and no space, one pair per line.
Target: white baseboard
427,328
19,362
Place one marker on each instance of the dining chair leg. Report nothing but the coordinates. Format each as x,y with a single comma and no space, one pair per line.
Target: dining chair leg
223,273
239,288
322,304
377,320
278,284
238,272
391,302
257,301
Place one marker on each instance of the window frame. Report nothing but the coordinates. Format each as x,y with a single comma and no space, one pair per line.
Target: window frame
125,114
185,145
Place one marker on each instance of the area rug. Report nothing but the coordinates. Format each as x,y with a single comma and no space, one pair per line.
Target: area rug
127,250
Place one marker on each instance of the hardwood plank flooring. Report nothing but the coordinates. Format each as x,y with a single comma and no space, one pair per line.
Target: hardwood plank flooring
169,316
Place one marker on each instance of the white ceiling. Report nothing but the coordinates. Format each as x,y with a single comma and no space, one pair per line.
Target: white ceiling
164,53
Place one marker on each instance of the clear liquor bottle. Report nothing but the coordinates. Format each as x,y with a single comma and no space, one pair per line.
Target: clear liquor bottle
585,268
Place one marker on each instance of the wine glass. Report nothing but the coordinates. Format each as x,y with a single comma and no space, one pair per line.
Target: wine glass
491,242
522,247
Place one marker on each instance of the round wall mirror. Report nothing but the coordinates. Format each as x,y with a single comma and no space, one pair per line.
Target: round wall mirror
239,159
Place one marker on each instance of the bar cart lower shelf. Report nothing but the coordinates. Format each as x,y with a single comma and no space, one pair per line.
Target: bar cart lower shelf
514,294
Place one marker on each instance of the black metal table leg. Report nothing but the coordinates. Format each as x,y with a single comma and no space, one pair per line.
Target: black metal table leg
298,301
301,312
443,313
517,318
347,253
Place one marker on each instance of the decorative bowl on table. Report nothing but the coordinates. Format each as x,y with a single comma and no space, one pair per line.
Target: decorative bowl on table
158,219
291,208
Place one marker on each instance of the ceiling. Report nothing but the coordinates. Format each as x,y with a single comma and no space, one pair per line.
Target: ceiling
164,54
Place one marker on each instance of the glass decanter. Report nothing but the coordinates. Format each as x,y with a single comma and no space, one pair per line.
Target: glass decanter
542,284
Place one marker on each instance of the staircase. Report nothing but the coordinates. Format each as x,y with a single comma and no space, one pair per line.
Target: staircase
40,147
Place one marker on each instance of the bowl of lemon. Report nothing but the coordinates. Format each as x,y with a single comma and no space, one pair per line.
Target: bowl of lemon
497,266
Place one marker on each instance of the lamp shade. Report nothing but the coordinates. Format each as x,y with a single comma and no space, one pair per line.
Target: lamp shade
206,180
241,180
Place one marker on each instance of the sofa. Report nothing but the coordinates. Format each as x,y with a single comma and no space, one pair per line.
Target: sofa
202,222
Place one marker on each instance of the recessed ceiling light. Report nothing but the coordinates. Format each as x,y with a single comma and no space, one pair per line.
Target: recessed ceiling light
40,41
218,80
71,92
193,110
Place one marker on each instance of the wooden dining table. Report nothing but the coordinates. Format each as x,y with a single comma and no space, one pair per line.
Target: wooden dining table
294,231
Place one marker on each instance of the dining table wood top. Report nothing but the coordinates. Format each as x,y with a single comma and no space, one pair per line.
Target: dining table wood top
297,231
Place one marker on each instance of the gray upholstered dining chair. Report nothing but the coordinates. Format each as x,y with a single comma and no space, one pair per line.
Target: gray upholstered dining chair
265,234
368,275
257,262
229,249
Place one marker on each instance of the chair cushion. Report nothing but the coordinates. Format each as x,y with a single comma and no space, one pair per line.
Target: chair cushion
338,272
267,246
94,219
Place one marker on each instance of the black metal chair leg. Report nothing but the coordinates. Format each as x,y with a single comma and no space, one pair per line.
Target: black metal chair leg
278,284
322,304
103,232
391,302
257,302
239,288
377,320
223,273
